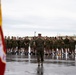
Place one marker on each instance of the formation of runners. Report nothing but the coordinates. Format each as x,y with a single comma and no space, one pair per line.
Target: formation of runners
52,45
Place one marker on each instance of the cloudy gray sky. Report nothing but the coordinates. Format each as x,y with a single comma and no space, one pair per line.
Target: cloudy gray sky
49,17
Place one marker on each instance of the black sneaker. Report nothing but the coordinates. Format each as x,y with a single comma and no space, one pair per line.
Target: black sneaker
38,64
41,64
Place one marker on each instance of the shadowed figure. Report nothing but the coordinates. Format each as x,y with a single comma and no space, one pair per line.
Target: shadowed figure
39,42
40,70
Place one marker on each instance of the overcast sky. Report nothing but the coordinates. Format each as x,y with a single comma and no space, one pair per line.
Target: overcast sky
49,17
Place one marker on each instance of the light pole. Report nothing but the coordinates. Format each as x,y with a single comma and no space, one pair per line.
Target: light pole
35,33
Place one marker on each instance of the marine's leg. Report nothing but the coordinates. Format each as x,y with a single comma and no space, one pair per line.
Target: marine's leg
42,57
38,58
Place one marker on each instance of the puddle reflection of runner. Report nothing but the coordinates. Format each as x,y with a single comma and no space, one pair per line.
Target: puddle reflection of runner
40,70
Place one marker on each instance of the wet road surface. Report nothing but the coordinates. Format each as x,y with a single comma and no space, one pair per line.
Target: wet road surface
27,65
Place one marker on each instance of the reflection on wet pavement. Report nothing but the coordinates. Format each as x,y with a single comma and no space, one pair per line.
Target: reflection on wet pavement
40,70
26,65
32,59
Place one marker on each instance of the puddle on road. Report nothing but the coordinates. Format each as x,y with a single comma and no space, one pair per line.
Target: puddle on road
29,59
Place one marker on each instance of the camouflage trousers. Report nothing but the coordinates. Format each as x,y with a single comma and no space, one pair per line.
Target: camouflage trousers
40,56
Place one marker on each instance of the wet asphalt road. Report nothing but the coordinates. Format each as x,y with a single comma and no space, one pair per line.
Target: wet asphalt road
27,65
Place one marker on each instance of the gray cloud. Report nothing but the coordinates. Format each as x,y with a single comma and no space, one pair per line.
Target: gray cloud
48,17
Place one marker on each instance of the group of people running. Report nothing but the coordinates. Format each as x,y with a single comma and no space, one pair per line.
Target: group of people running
52,45
41,46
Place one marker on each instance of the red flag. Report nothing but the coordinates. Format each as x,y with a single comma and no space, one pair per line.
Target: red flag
2,54
2,47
